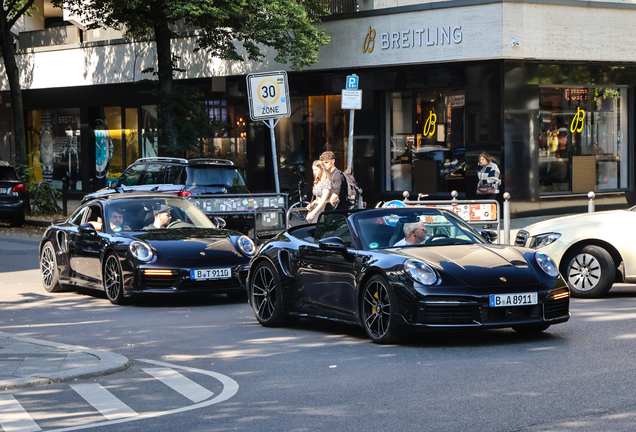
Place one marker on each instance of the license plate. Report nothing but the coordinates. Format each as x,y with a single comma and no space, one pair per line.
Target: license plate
3,190
507,300
207,274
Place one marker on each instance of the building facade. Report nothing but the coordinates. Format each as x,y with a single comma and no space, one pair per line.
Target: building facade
546,88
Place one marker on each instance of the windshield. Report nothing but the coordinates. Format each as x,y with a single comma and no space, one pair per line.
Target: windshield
211,176
7,173
154,213
411,227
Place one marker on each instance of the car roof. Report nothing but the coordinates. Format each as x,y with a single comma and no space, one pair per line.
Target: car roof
5,163
181,161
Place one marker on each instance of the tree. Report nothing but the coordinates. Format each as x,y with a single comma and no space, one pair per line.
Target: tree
227,29
12,10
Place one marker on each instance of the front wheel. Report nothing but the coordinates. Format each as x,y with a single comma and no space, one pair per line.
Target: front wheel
378,312
589,271
113,280
267,298
49,269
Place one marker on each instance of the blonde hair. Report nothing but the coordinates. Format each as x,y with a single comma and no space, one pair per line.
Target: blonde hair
323,169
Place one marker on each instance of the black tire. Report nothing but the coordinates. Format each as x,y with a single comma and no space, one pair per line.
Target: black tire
589,271
378,312
531,328
49,269
267,298
112,279
17,222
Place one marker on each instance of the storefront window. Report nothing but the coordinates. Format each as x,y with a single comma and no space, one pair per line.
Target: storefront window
149,147
582,139
56,135
426,136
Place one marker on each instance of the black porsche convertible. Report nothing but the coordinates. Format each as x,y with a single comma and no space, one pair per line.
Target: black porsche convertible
144,243
370,268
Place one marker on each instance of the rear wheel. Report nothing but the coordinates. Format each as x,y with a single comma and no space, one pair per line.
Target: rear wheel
589,271
18,221
113,280
49,270
297,214
378,312
267,298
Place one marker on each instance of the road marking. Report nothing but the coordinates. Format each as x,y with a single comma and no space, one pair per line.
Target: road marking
13,418
180,383
104,401
230,388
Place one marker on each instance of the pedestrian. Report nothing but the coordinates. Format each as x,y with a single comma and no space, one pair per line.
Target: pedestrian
339,187
321,190
489,177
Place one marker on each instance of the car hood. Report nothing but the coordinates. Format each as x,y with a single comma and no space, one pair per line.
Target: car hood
477,265
591,221
190,247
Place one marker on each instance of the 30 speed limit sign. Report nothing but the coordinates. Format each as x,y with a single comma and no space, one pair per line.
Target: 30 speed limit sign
268,95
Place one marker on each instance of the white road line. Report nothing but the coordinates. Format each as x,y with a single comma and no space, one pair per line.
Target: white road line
180,383
13,418
104,401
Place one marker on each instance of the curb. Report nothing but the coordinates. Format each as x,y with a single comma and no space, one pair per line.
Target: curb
37,223
105,363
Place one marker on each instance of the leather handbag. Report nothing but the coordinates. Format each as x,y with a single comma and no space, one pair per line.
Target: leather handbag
486,189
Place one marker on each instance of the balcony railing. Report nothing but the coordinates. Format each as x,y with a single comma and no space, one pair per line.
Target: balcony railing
343,6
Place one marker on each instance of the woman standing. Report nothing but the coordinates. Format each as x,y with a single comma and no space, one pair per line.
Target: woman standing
321,190
489,177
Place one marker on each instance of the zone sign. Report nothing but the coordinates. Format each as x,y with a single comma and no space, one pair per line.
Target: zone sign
268,95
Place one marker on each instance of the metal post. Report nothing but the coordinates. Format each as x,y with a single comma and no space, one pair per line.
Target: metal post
272,136
506,217
590,204
350,150
405,194
64,195
454,195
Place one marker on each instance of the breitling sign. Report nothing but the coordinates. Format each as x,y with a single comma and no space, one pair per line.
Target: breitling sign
403,39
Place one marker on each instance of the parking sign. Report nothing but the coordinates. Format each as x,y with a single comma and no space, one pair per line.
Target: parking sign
352,82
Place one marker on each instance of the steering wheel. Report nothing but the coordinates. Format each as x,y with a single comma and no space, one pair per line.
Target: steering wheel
434,237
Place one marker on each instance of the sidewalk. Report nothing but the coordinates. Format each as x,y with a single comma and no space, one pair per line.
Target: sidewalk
26,362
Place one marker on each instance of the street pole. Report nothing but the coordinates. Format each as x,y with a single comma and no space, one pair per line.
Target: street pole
350,151
272,124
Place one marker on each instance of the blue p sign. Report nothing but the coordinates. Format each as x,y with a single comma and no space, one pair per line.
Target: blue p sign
352,82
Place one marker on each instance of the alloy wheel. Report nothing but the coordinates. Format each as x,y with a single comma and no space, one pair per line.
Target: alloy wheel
583,272
264,294
376,309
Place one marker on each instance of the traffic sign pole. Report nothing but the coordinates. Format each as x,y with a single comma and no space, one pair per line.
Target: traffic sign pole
272,124
351,84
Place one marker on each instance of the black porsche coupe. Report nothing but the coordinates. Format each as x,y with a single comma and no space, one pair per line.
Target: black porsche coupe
356,267
128,244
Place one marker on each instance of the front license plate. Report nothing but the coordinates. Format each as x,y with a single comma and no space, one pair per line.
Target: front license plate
507,300
206,274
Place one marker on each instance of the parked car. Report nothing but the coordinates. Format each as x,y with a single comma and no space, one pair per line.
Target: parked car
592,250
13,196
348,268
152,243
180,176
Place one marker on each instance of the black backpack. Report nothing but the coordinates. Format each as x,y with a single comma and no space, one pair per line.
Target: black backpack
354,192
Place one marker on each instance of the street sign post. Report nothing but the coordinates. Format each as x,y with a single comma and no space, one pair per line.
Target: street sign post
352,100
268,99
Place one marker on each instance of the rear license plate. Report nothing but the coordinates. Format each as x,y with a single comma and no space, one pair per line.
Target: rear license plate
3,190
207,274
507,300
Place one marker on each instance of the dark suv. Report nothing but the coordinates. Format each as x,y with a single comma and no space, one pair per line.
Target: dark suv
13,196
180,176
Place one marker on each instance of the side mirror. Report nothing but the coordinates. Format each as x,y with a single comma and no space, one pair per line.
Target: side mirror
87,228
489,236
333,244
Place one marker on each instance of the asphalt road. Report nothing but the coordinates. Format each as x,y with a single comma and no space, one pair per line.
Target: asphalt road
317,376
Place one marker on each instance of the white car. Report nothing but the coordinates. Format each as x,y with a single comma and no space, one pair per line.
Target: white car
592,250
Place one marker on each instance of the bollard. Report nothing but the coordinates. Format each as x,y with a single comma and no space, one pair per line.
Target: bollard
454,195
590,204
506,217
64,195
406,194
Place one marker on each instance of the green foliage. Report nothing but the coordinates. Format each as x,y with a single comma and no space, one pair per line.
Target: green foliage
45,204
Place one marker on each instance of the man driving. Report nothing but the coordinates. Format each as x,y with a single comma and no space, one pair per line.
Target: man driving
162,217
117,221
414,234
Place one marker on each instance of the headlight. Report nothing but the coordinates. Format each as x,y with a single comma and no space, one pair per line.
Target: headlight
544,240
141,251
246,245
547,264
420,272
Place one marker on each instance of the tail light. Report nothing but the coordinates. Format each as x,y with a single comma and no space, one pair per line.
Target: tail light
19,188
183,193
